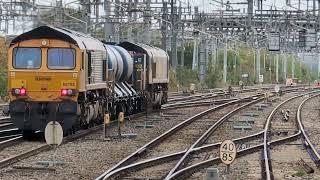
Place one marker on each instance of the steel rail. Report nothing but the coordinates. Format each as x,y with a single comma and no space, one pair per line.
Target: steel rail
202,139
209,95
186,172
4,118
157,141
307,142
206,135
195,104
45,147
174,156
197,97
10,142
164,136
9,132
268,172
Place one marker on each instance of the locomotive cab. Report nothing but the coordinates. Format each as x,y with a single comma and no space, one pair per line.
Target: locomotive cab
43,83
45,68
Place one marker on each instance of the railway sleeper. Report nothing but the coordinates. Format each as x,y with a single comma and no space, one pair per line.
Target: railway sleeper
312,155
308,169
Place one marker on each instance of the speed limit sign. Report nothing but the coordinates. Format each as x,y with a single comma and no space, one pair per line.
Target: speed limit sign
228,152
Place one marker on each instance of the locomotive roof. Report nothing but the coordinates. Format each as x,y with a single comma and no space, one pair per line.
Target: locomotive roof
83,41
151,51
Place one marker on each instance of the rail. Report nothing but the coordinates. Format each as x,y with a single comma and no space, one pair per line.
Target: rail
314,153
162,137
268,172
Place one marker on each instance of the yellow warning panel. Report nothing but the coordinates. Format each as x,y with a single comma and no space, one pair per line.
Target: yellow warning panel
69,84
18,83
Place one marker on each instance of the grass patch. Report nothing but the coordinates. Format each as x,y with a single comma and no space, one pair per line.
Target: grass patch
299,173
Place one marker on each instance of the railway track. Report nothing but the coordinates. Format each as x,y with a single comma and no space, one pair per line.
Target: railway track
9,133
32,153
41,148
160,139
212,98
7,130
186,157
308,144
205,96
186,172
2,106
267,162
176,95
5,123
125,166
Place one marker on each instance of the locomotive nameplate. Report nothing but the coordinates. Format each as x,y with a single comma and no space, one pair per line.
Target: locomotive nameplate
70,84
42,78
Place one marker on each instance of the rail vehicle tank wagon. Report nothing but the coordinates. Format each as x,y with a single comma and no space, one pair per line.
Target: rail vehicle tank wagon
73,78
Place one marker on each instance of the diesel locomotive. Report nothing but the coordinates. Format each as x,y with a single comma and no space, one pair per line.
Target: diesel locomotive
59,74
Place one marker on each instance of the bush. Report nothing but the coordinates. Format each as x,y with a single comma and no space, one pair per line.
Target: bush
3,68
212,78
3,84
182,77
185,76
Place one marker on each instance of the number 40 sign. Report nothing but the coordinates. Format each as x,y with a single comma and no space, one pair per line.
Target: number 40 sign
228,152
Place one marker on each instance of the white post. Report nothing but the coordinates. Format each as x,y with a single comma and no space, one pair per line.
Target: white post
277,68
195,55
292,67
318,64
225,61
285,66
258,65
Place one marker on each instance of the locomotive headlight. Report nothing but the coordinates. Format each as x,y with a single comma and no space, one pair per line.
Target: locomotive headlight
44,42
23,92
64,92
17,91
70,92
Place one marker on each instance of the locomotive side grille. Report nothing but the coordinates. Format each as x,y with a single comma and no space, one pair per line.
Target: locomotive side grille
97,66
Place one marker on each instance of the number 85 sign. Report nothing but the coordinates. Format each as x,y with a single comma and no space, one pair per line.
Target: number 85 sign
228,152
